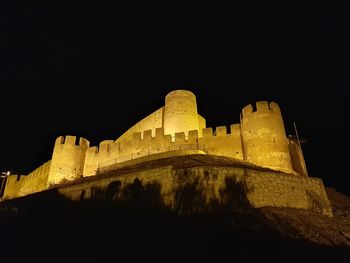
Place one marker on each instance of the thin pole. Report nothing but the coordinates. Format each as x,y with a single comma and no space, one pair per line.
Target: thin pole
296,132
300,150
2,183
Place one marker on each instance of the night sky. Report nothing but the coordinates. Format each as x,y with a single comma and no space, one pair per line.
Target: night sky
94,70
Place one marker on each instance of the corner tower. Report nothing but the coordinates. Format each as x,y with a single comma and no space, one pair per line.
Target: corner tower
264,137
67,159
180,112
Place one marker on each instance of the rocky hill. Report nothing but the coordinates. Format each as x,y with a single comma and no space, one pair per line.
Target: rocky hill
47,227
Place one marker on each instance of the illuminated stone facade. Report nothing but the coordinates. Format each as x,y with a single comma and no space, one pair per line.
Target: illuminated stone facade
258,139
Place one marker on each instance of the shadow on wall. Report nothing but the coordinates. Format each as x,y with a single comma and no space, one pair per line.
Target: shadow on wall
135,195
234,196
189,198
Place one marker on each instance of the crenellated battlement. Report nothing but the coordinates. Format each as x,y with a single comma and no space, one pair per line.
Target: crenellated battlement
261,107
174,129
220,131
105,146
159,142
72,140
263,136
68,158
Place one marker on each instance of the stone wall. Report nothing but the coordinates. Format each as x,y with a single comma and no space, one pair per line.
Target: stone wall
259,139
220,143
202,188
36,181
264,138
151,122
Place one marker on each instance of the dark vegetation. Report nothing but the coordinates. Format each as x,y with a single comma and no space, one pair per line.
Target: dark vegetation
132,224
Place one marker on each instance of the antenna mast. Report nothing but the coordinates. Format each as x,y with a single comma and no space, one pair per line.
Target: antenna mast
296,132
302,160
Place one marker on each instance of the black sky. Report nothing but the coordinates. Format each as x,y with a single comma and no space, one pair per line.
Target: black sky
94,69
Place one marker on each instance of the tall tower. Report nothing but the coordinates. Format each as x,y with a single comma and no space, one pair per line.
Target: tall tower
264,137
68,159
180,112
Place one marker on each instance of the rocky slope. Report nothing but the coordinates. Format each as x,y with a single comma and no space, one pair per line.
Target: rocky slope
47,227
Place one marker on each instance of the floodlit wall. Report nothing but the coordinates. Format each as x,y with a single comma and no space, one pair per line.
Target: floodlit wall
151,122
13,186
180,112
263,137
36,181
259,139
202,125
271,189
68,159
221,143
208,186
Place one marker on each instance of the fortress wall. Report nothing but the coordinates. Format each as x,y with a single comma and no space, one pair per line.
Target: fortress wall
179,114
13,186
203,188
264,138
261,188
287,191
222,143
68,159
279,191
34,182
107,150
158,179
202,125
143,144
151,122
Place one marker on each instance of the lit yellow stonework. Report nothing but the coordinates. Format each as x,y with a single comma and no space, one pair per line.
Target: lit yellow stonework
176,129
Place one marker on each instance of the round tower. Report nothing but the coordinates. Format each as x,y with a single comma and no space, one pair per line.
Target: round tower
264,138
180,112
68,159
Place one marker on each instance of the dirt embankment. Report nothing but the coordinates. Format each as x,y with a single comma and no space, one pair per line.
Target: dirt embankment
311,225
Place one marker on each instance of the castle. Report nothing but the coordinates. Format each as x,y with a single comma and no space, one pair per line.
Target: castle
174,129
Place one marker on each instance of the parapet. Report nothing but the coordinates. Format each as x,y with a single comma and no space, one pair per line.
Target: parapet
105,145
192,135
207,132
235,129
180,137
180,93
93,149
247,110
261,107
274,107
71,140
220,131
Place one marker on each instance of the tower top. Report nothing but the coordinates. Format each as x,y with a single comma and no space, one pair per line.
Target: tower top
180,93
